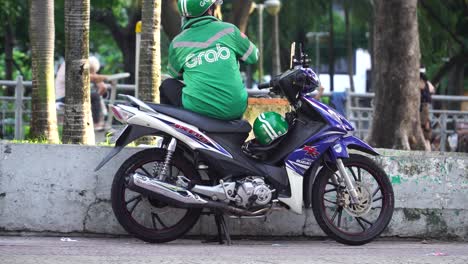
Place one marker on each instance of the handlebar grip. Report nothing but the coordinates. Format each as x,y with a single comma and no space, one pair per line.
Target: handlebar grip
264,85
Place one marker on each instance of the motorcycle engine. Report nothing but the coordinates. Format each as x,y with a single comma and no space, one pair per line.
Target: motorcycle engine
252,191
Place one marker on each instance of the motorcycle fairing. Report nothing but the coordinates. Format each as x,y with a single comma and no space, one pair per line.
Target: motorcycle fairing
296,199
329,140
194,134
353,142
302,158
333,118
186,133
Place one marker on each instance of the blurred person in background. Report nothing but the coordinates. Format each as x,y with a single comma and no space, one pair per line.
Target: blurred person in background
427,90
98,90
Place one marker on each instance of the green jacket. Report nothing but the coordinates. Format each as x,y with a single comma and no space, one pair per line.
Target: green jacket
205,55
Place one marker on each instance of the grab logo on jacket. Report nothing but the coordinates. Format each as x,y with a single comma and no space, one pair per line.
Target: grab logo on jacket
210,56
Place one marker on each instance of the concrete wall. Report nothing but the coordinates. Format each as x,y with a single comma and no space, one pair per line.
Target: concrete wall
52,188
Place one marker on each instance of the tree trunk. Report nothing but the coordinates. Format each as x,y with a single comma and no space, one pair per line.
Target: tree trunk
331,49
9,43
128,47
150,55
78,123
240,14
370,88
396,121
170,18
42,27
349,44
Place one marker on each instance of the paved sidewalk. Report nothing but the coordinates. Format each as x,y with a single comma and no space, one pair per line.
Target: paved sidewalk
57,250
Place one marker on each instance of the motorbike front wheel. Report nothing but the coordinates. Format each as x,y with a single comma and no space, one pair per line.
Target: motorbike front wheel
347,223
145,217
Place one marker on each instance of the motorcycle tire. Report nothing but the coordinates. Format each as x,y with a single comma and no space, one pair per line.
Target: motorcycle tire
345,230
124,215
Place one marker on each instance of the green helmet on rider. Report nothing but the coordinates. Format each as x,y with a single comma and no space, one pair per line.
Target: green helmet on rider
195,8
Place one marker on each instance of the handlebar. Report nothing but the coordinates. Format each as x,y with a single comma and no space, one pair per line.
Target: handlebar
264,85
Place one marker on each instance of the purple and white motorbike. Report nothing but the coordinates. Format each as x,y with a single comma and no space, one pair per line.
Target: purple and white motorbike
204,166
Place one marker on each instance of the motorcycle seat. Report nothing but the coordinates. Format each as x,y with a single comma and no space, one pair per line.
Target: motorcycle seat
204,123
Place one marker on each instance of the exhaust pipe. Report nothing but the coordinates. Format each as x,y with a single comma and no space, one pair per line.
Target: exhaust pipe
181,197
165,192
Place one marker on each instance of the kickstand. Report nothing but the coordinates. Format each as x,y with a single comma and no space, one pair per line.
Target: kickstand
222,228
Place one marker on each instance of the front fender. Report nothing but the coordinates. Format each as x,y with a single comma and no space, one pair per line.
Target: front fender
349,142
352,142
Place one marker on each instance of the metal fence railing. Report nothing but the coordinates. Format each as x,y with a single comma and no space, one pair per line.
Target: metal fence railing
15,111
443,122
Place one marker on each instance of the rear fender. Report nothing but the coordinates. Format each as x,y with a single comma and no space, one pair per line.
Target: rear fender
128,135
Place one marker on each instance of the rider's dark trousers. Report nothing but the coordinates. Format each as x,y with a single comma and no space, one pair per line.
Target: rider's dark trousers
170,92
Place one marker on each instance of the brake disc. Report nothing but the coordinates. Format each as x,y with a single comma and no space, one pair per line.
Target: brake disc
365,201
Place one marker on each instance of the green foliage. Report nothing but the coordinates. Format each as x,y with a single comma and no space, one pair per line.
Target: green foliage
296,19
103,45
443,35
14,14
23,64
437,44
299,17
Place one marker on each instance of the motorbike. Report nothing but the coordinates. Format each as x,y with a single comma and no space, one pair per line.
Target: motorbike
203,165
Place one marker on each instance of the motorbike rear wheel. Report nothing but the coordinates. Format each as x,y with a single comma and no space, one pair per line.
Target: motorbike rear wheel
347,223
145,217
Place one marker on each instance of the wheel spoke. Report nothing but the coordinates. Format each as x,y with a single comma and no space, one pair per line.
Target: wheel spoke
325,199
138,200
376,199
335,214
133,199
155,216
339,216
365,220
334,184
145,171
354,175
331,190
375,191
154,222
359,174
360,223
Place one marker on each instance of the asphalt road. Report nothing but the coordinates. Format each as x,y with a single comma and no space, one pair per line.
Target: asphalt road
57,250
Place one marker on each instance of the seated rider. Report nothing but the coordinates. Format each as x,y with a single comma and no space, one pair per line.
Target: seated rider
205,55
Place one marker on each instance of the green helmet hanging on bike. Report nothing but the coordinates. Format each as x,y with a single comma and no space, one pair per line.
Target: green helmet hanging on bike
269,126
194,8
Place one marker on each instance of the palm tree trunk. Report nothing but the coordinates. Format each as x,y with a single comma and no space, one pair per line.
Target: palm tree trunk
44,116
395,79
150,55
78,123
